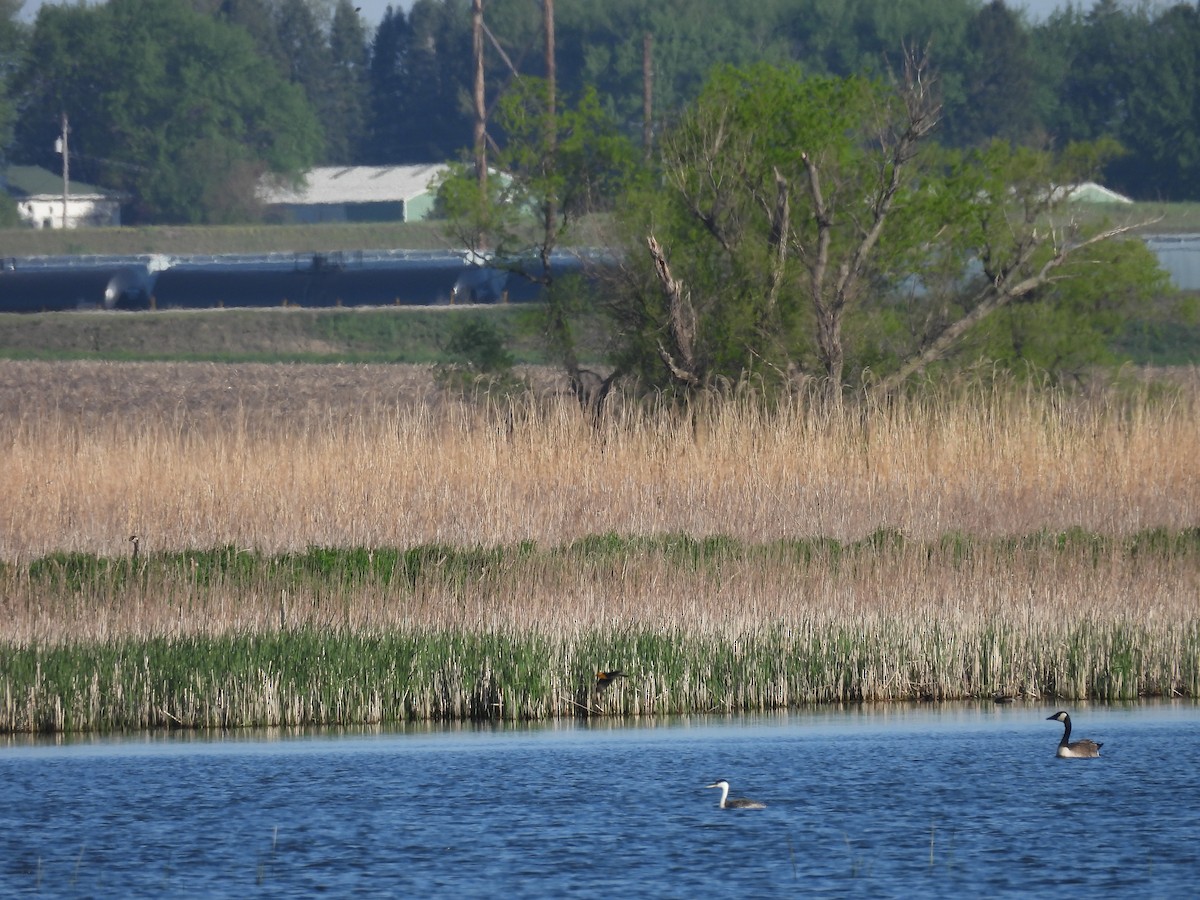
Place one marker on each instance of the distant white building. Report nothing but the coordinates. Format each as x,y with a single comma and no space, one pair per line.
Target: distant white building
1089,192
357,194
38,194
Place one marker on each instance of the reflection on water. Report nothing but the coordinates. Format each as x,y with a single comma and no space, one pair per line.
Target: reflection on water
891,800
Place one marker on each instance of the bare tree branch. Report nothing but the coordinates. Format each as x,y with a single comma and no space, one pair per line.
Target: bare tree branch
899,144
781,221
708,162
681,320
996,294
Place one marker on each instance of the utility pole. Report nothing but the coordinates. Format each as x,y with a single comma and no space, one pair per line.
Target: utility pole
480,104
647,93
551,117
66,155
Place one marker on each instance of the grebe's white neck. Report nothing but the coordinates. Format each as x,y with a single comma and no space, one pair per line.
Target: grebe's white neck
724,786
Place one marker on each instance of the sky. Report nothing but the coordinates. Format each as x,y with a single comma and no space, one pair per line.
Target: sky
372,10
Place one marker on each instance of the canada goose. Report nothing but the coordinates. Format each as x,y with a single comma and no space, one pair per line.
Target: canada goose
1069,749
728,802
604,679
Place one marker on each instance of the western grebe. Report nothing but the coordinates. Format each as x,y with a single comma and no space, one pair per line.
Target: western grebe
604,679
728,802
1069,749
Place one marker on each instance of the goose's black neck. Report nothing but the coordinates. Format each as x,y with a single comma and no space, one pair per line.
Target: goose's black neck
1066,732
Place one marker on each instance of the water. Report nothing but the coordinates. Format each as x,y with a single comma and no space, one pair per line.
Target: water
894,801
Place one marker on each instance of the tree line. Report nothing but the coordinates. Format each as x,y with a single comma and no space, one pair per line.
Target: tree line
184,104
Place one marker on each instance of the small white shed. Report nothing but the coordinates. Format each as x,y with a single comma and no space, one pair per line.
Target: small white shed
38,194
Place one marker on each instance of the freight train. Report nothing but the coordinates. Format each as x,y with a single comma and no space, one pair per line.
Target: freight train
309,280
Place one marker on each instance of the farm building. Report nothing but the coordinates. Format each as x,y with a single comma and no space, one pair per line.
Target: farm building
356,194
39,197
1091,192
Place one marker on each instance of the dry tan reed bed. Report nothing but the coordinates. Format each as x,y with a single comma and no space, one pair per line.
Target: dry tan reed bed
280,458
724,589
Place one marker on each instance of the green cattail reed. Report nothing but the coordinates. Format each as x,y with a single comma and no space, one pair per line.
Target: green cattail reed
232,682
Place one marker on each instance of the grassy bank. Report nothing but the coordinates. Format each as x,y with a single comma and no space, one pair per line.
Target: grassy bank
181,240
415,335
349,236
228,638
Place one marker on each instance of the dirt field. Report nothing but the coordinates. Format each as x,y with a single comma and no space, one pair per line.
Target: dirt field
95,392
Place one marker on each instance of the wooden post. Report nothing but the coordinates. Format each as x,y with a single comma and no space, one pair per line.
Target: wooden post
647,93
66,155
551,210
480,104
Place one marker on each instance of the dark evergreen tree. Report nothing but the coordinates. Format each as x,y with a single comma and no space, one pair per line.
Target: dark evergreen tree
1160,127
1134,77
13,39
421,66
1098,50
440,73
306,57
387,102
345,113
998,81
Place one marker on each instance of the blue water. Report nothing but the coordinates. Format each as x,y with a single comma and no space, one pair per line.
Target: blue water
895,801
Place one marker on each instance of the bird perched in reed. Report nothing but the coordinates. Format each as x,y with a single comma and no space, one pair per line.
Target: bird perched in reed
604,679
1069,749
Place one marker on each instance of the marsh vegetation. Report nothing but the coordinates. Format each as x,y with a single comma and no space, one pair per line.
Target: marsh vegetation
347,544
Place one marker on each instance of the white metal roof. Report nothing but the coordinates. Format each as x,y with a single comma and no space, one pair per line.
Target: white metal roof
356,184
1090,192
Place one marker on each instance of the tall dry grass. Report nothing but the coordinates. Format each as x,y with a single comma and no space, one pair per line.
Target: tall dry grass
281,458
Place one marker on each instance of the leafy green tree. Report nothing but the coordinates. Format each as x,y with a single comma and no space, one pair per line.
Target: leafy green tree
1073,323
257,18
795,207
783,196
175,108
13,40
